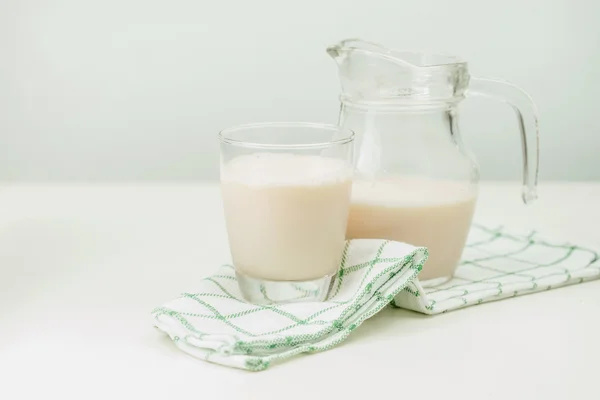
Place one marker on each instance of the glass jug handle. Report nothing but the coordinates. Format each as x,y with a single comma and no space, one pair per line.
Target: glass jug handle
526,113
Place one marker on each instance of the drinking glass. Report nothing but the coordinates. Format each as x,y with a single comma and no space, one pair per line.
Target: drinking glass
286,190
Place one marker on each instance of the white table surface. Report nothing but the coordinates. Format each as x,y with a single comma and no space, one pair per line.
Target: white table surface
81,267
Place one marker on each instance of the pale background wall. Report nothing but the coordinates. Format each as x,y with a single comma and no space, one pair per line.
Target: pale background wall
137,89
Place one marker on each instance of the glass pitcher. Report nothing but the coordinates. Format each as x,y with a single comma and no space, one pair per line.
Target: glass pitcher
415,181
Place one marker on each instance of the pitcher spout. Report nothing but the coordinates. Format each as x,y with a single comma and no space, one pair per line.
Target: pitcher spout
341,49
369,71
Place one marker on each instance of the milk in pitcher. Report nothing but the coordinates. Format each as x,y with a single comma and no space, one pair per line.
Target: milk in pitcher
419,211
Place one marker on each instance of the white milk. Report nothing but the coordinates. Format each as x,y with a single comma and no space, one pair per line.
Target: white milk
286,214
432,213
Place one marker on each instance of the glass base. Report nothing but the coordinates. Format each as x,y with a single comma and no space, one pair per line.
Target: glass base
262,291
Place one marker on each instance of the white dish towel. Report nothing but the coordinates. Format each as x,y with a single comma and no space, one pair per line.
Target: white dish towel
215,324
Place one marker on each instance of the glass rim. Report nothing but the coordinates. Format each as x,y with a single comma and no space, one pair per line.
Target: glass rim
348,135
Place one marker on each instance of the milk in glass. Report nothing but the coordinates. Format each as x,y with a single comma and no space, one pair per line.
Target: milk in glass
286,214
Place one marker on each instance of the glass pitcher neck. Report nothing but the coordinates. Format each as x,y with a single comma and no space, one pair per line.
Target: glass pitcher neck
404,106
371,73
401,123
